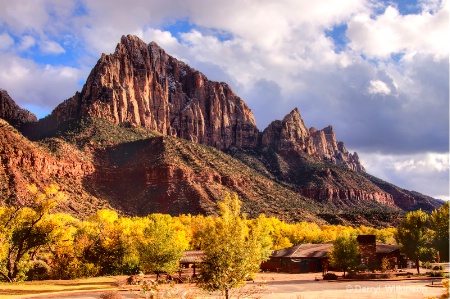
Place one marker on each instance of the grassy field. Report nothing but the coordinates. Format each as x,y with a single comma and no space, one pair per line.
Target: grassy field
30,288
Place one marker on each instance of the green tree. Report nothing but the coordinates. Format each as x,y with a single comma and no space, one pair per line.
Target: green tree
344,253
160,245
25,230
414,236
233,251
439,223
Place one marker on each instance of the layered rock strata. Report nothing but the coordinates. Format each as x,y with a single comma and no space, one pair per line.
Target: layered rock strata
292,134
141,85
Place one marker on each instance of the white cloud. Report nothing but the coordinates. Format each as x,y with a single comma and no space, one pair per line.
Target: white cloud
427,173
51,47
6,41
26,42
31,84
392,33
378,87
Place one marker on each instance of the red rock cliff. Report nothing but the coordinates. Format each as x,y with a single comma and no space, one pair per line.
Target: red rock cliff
292,134
12,113
139,84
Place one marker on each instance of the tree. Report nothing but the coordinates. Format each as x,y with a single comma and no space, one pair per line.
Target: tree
414,236
233,252
24,230
160,245
439,223
344,253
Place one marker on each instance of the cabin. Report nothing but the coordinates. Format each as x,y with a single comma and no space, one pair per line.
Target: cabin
305,258
191,259
301,258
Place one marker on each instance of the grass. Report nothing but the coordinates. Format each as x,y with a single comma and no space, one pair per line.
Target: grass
30,288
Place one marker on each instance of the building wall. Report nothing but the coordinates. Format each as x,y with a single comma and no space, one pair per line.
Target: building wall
368,254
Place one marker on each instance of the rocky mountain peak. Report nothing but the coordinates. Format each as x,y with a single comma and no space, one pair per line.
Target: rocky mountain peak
12,113
329,149
140,85
292,134
288,134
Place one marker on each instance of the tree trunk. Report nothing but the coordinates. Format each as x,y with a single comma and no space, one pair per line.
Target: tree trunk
6,277
417,266
226,293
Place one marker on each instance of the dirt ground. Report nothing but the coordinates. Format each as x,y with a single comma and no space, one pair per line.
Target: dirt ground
289,286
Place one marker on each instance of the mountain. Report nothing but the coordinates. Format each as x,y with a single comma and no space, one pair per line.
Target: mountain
12,113
148,133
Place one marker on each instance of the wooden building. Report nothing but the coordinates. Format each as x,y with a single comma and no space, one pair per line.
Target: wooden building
302,258
305,258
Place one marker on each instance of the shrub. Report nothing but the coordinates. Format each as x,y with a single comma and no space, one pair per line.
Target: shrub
436,274
330,276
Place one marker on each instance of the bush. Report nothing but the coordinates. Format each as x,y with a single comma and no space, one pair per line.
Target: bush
436,274
111,295
330,276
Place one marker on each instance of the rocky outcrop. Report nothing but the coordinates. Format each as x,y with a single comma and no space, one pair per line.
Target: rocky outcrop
345,196
140,85
288,134
292,134
12,113
328,149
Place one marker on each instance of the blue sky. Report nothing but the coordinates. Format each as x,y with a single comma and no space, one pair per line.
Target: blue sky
378,71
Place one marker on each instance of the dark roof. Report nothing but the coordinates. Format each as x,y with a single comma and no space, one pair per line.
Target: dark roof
304,251
386,248
192,257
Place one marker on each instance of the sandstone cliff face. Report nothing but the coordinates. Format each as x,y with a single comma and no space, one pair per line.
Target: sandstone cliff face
12,113
328,149
292,134
141,85
288,134
23,163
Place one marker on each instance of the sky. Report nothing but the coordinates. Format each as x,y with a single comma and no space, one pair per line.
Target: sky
376,70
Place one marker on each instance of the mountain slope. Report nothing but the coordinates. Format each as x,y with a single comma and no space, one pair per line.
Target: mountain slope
150,134
52,161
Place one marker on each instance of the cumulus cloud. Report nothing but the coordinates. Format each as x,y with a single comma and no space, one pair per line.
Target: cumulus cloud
378,87
26,42
6,41
37,86
51,47
427,173
391,32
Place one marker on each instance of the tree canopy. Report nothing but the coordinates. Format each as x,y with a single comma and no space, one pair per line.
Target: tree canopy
233,251
415,237
344,253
